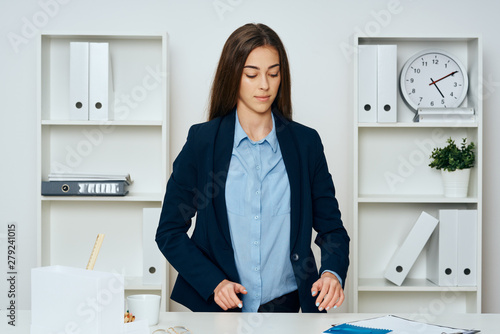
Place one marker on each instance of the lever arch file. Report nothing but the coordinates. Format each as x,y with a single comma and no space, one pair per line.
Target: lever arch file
404,258
467,248
442,250
79,81
387,83
153,259
367,78
100,82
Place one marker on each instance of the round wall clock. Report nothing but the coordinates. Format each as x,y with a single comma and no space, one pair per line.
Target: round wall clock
433,79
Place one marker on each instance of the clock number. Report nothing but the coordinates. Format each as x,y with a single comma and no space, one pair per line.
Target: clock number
455,84
411,80
416,70
442,101
451,94
435,61
432,103
424,63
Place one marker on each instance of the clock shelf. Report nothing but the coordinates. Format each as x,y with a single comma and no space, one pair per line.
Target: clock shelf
393,184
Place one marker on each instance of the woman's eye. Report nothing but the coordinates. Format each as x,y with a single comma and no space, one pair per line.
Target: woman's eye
275,75
251,76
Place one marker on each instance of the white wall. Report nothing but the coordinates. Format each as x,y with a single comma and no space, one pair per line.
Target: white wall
314,33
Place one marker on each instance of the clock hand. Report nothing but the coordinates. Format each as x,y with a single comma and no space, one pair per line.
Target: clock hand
434,82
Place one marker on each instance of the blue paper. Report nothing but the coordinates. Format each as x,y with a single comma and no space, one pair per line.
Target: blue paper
352,329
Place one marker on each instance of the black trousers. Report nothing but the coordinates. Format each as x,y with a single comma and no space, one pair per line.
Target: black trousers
288,303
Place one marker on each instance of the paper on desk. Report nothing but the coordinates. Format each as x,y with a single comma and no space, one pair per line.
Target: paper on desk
404,326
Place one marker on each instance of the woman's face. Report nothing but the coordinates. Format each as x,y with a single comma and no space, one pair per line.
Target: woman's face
260,81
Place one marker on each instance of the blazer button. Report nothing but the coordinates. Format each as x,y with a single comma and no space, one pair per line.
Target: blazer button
295,257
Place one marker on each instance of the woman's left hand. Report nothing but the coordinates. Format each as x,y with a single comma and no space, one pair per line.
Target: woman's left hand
330,291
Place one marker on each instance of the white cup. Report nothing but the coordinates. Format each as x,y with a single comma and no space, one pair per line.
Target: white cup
145,307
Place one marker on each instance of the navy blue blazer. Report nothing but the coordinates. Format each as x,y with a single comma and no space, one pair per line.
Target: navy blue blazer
197,186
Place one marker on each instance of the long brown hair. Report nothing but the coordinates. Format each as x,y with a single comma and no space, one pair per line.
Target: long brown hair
226,85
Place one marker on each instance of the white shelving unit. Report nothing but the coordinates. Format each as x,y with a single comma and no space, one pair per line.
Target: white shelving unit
135,142
393,185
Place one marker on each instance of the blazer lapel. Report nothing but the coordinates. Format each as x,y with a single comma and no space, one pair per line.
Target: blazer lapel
223,148
292,166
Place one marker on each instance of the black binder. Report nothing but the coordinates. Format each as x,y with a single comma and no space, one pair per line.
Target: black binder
84,188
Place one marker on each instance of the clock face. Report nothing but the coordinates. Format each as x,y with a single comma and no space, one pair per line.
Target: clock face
433,79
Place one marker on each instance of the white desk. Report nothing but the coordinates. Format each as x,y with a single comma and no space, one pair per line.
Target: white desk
264,323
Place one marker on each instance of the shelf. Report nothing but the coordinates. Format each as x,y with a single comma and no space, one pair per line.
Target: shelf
414,199
134,141
105,123
393,184
419,125
409,285
131,197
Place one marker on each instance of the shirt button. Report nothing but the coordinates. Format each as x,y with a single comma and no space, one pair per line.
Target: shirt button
257,192
255,243
258,167
295,257
256,217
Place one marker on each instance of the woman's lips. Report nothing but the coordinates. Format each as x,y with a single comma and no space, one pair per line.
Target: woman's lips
262,98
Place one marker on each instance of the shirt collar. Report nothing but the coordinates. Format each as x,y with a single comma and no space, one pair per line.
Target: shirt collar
240,135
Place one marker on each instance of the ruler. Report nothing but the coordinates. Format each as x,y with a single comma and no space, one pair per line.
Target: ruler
95,251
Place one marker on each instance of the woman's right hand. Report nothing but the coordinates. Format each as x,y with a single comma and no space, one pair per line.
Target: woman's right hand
225,295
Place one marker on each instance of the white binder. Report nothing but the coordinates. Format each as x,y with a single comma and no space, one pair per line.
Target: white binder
404,258
442,250
367,83
467,247
79,81
387,80
153,272
100,82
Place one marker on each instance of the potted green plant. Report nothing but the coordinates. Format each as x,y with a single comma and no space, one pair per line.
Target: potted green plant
455,164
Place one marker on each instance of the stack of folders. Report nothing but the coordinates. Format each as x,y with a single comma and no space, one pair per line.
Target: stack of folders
90,84
453,115
452,251
64,184
377,83
406,255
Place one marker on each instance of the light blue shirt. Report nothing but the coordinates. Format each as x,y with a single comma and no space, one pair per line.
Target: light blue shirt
258,204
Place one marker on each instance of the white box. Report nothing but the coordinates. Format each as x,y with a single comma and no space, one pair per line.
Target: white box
404,258
67,300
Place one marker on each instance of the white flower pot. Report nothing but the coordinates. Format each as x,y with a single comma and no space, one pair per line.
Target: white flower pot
456,183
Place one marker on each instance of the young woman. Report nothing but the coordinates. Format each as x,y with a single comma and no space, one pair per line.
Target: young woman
258,183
